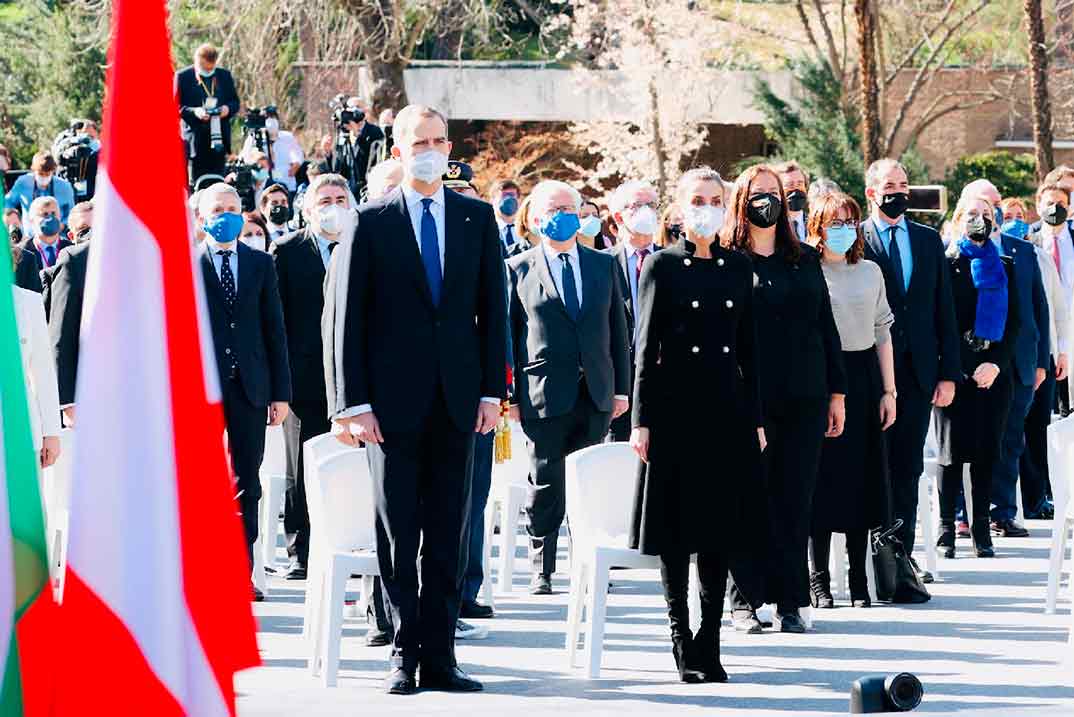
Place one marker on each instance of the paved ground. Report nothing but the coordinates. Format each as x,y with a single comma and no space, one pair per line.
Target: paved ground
982,644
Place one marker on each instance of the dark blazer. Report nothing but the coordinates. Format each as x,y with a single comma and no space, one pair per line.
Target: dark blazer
550,348
300,272
66,290
964,294
38,264
27,273
924,325
191,96
255,329
619,252
1032,345
398,348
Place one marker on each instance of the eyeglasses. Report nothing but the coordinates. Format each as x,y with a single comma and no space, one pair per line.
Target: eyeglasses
639,205
843,225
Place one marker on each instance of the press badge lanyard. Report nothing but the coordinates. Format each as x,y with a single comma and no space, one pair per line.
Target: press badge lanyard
208,92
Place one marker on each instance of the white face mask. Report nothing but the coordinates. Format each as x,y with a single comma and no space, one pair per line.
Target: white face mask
255,241
704,220
272,125
428,166
331,218
642,221
43,180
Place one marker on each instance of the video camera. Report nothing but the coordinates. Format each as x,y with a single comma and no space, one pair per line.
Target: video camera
343,115
74,153
255,117
244,182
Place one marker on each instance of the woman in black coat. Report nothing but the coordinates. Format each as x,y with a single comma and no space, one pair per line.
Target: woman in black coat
697,424
971,428
803,385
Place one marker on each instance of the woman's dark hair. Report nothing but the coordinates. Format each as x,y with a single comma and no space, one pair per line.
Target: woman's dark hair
736,228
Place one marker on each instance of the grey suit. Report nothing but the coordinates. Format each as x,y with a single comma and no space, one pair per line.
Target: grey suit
566,375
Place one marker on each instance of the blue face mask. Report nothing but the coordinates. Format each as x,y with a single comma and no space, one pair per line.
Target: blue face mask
49,226
206,73
224,228
508,205
561,226
840,239
1015,228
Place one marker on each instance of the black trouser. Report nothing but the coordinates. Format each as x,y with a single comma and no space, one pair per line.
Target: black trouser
981,488
205,160
795,433
246,444
306,420
551,441
820,548
712,574
421,488
906,446
1033,467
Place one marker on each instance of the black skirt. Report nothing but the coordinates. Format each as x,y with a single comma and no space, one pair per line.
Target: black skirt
852,483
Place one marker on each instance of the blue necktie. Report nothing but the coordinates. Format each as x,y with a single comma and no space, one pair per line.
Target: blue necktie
50,255
570,289
430,251
896,258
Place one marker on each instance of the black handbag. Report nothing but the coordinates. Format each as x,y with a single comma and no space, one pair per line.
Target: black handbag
896,579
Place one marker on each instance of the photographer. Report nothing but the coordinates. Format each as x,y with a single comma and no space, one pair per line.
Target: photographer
354,143
77,150
207,97
41,181
262,131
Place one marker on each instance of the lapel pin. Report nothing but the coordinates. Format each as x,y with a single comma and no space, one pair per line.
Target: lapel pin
467,218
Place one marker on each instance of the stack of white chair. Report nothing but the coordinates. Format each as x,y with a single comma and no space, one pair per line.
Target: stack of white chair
506,499
1061,472
600,492
342,542
56,494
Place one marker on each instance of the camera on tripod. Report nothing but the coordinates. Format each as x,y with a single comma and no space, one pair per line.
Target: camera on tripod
244,182
343,115
255,118
74,152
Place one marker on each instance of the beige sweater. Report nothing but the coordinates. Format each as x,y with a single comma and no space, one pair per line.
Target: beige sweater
859,303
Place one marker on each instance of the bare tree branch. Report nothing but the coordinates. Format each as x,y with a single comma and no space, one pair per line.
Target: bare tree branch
833,55
926,35
800,7
932,115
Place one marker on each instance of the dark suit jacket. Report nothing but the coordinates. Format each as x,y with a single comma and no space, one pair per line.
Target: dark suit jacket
255,326
191,96
924,325
550,348
398,348
300,272
27,275
66,290
1032,344
619,252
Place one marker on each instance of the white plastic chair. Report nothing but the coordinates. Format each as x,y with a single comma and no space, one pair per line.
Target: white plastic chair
600,490
273,477
1061,471
314,451
56,494
506,498
340,497
928,511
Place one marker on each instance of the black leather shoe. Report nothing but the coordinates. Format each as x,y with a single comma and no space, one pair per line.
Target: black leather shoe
925,575
746,621
861,602
378,638
1009,529
541,585
297,571
256,595
946,541
400,682
448,679
476,611
790,622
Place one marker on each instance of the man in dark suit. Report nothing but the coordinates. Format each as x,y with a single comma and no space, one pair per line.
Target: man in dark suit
632,201
423,369
924,335
44,245
301,260
572,358
1031,361
250,341
66,290
207,98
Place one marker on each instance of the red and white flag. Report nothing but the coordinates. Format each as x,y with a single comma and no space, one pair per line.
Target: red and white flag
156,613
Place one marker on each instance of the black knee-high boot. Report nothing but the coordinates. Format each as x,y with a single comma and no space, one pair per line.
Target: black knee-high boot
857,553
712,576
675,573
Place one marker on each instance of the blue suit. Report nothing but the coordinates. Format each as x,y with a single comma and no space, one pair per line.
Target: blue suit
25,190
1032,350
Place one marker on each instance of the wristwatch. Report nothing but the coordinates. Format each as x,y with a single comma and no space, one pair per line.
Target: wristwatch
893,393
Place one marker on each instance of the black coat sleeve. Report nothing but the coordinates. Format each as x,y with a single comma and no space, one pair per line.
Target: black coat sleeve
355,359
275,334
28,272
492,313
514,316
64,321
651,326
947,334
1042,319
226,93
833,347
746,343
620,335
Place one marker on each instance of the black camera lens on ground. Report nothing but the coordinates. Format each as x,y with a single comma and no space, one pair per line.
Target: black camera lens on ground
875,694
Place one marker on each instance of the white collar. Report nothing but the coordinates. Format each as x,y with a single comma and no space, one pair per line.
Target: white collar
501,223
553,256
631,250
413,197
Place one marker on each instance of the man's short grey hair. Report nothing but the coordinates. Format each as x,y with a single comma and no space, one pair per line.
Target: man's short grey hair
209,194
40,203
820,188
978,187
377,178
309,199
409,116
546,188
881,167
699,174
621,196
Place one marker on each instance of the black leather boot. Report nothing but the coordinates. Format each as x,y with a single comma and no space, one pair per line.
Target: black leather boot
712,574
946,541
820,590
981,532
674,573
857,552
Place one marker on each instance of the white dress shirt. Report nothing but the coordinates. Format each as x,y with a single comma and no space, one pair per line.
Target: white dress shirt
415,208
555,267
218,261
285,151
503,231
38,365
275,232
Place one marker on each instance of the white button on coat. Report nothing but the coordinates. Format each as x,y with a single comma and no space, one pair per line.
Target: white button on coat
686,262
719,262
727,349
730,303
696,349
695,304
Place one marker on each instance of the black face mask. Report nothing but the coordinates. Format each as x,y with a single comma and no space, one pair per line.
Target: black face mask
763,210
675,231
796,200
894,205
1054,215
279,214
978,229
